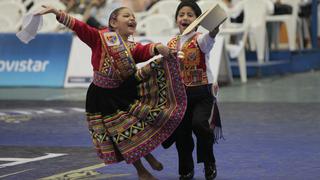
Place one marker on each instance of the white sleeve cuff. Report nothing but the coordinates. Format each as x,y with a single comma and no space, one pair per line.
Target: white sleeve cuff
205,42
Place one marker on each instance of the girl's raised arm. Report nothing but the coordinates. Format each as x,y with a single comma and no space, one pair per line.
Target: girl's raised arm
86,33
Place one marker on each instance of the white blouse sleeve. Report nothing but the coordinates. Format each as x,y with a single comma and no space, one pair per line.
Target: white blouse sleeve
205,42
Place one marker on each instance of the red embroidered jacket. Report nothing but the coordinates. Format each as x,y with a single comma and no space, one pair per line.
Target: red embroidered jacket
112,59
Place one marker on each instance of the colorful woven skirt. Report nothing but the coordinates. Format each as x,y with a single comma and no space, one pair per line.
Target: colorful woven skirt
128,122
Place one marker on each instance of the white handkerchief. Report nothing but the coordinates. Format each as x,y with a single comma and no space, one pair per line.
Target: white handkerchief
31,24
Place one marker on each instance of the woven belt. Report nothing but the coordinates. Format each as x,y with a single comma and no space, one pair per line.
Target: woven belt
103,81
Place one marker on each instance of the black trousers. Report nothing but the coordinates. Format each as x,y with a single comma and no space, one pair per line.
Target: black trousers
199,109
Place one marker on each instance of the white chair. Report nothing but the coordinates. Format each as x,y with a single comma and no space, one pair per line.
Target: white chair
13,11
155,25
228,29
165,7
206,4
255,12
6,25
237,49
50,23
290,21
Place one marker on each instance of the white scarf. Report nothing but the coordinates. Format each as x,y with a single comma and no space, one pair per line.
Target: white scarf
30,26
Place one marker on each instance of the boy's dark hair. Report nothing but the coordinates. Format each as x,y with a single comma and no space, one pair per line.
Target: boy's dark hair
113,16
190,3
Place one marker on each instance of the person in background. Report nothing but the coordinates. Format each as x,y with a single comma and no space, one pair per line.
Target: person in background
129,112
91,12
281,8
86,10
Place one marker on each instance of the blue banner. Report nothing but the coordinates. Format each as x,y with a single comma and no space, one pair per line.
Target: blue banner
42,62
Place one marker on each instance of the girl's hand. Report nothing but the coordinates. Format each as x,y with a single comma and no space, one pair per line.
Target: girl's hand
47,10
163,50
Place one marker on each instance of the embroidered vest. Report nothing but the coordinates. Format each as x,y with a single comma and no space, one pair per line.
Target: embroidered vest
117,63
192,66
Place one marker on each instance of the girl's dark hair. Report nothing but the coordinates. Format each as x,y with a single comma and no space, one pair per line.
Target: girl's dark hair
113,16
190,3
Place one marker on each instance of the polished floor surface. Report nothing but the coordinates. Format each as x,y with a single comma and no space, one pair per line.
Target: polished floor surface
303,87
271,128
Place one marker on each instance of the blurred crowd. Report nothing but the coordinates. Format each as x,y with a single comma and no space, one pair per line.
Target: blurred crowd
96,12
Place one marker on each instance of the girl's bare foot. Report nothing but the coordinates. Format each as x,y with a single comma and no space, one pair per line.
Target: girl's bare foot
143,173
146,176
154,163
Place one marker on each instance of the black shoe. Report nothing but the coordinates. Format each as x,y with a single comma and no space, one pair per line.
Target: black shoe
188,176
210,171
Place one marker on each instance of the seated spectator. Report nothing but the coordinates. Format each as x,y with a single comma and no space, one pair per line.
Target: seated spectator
74,6
91,12
274,7
281,8
88,10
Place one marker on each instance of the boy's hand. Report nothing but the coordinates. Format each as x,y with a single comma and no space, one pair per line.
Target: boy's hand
214,32
47,10
215,89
